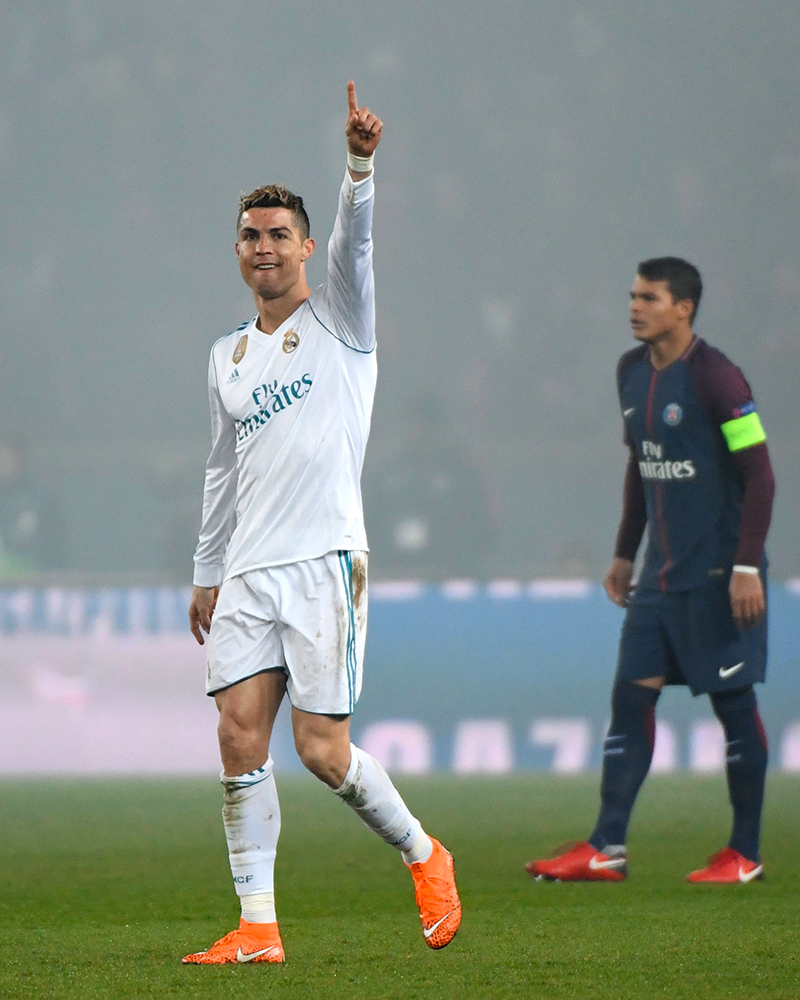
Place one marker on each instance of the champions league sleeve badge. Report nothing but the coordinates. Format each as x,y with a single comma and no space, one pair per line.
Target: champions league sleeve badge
673,414
241,347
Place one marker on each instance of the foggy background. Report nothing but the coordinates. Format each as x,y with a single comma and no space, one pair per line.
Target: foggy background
532,155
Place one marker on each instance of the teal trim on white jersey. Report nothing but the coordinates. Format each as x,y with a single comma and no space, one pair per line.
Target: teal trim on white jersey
356,349
346,566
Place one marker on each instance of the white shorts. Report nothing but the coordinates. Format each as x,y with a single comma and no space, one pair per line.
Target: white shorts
308,619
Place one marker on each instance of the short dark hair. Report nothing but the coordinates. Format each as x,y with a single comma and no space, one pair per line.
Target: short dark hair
276,196
682,278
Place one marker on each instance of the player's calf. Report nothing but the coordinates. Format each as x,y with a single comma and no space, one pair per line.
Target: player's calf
323,745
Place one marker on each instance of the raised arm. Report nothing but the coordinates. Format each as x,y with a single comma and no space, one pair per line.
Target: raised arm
351,288
219,511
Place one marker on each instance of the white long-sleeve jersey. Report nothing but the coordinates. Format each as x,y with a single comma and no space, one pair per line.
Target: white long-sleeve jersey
290,417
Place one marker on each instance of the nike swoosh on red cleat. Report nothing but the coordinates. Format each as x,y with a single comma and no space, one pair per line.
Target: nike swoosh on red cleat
595,864
749,876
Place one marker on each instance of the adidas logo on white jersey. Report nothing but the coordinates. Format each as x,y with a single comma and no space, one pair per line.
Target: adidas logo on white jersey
233,377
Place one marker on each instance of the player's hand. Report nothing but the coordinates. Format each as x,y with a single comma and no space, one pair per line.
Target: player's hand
618,581
201,611
363,129
747,599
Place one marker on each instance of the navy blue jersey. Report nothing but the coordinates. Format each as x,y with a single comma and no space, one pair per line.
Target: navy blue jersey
685,424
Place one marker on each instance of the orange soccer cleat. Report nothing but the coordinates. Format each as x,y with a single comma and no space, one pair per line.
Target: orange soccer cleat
248,943
436,896
727,866
581,863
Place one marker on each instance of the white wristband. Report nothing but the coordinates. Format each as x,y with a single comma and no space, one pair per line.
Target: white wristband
361,164
752,570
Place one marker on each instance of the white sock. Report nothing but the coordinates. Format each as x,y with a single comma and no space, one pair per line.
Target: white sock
252,818
369,792
259,908
420,850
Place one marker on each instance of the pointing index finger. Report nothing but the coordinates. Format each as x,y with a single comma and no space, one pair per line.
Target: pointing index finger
352,104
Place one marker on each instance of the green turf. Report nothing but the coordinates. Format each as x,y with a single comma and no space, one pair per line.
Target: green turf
106,885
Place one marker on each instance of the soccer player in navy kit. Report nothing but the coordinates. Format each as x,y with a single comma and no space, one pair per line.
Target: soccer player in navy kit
699,476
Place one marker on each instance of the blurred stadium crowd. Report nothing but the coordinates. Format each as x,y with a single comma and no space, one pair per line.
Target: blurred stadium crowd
517,190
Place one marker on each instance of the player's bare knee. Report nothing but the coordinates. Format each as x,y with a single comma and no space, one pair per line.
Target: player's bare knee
237,717
312,752
228,734
320,758
241,736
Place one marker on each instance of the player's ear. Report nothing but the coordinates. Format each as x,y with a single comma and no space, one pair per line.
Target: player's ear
685,307
236,247
308,248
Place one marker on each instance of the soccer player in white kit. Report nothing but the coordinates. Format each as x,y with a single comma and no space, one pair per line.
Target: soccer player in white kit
281,564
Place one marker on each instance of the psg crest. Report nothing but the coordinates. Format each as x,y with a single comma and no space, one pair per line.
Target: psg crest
290,341
673,414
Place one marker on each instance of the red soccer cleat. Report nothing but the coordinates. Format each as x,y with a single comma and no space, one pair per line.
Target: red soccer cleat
248,943
727,866
581,863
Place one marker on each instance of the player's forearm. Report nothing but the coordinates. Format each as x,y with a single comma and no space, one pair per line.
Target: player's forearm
209,559
755,469
219,500
351,239
634,512
351,284
219,490
219,520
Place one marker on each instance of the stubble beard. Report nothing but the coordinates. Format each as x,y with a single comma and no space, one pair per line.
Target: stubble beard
268,291
262,289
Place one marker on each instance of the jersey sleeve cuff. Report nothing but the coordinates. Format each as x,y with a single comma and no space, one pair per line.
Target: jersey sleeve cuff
207,574
359,191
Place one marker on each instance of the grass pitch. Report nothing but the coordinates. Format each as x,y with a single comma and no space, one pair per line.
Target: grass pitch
107,884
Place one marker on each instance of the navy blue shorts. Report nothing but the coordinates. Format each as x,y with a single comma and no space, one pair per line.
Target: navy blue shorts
690,638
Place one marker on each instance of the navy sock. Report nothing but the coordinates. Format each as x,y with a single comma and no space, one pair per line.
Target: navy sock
627,753
746,766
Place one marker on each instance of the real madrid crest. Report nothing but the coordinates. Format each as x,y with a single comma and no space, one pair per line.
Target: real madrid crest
241,347
290,341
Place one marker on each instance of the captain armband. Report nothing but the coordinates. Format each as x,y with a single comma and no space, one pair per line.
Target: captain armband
743,432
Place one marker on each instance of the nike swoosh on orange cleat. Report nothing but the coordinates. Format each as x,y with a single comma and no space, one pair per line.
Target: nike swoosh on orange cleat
241,957
427,931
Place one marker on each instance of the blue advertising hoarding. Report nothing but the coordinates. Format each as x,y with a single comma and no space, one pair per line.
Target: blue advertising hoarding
480,678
